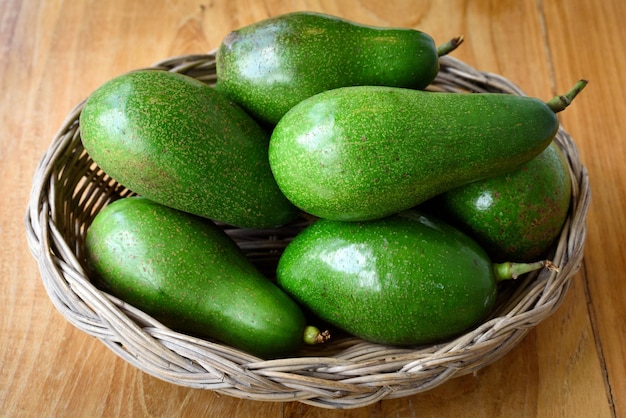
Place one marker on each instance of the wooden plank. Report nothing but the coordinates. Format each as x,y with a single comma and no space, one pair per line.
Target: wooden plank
586,40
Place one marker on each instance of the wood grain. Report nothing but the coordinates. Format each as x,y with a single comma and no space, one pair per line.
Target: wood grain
53,54
599,117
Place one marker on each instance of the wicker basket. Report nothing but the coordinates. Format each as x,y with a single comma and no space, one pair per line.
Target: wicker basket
69,189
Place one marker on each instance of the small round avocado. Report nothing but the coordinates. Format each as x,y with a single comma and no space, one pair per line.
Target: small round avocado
516,216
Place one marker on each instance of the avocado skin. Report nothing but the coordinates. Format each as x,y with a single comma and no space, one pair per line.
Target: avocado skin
186,272
271,65
366,152
177,141
404,280
516,216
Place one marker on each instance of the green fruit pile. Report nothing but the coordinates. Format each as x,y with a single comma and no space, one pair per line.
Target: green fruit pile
419,200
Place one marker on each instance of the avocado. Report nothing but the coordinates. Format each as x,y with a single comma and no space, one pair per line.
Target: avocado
516,216
271,65
187,273
366,152
177,141
406,279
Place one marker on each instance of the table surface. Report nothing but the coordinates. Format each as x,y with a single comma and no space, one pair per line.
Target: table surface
53,54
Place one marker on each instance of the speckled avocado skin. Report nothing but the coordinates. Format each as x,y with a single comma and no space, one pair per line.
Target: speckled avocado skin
365,152
516,216
186,272
403,280
271,65
176,140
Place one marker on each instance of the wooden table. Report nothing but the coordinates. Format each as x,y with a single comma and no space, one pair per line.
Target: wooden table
53,54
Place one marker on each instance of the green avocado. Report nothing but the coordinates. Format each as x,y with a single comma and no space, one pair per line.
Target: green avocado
186,272
516,216
271,65
177,141
366,152
403,280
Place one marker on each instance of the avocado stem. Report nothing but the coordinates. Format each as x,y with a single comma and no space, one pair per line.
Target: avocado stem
449,46
313,336
508,270
559,103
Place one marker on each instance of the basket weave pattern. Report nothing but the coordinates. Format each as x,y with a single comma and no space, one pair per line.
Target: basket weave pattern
69,189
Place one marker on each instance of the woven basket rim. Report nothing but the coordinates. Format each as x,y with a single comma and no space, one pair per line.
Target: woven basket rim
347,373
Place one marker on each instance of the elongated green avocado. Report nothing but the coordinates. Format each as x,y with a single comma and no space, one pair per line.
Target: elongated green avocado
186,272
269,66
404,280
365,152
177,141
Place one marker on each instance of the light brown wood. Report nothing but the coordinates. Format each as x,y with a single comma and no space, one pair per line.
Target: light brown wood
53,54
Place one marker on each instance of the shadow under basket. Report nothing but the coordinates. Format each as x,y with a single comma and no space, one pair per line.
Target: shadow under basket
69,189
